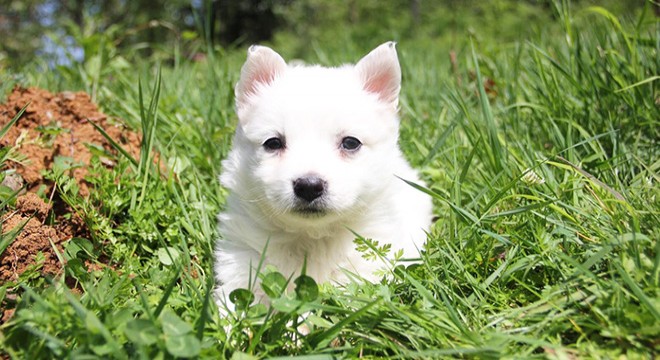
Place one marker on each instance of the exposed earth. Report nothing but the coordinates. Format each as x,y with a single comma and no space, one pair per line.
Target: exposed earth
53,125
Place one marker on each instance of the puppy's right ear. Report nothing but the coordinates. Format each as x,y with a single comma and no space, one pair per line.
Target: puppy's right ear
262,66
381,73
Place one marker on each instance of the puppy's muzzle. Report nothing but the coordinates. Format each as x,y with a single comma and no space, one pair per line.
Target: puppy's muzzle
309,188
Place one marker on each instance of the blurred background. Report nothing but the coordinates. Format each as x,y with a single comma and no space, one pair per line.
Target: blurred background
63,32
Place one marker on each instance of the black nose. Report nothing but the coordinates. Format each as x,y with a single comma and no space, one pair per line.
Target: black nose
309,187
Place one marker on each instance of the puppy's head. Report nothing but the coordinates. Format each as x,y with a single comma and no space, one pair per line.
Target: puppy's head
314,144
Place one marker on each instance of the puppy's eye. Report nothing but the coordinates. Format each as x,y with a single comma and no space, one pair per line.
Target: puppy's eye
350,143
273,144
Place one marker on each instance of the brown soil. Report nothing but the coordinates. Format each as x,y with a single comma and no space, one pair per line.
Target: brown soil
36,136
35,237
53,125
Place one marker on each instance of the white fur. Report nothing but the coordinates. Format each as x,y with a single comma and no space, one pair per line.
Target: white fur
313,108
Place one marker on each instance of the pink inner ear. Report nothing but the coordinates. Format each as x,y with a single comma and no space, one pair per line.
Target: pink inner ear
261,68
261,77
380,73
383,84
258,78
380,84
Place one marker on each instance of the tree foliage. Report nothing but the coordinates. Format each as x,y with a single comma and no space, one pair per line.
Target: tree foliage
52,28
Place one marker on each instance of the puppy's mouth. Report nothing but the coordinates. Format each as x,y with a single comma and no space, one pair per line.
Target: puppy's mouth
310,211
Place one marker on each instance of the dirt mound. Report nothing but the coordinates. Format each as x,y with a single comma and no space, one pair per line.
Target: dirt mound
57,125
53,125
34,237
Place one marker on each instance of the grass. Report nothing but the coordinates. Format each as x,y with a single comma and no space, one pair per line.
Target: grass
541,156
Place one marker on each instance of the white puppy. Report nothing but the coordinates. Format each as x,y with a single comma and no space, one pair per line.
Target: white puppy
315,157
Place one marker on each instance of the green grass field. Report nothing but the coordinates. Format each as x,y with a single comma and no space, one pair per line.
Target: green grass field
543,158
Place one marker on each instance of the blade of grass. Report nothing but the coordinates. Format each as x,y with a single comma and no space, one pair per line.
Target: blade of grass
113,143
498,154
324,338
13,121
167,292
7,238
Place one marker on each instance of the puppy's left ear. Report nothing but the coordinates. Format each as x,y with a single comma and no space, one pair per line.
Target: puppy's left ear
262,67
381,73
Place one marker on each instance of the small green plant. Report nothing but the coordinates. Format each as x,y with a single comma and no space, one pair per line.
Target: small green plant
50,132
